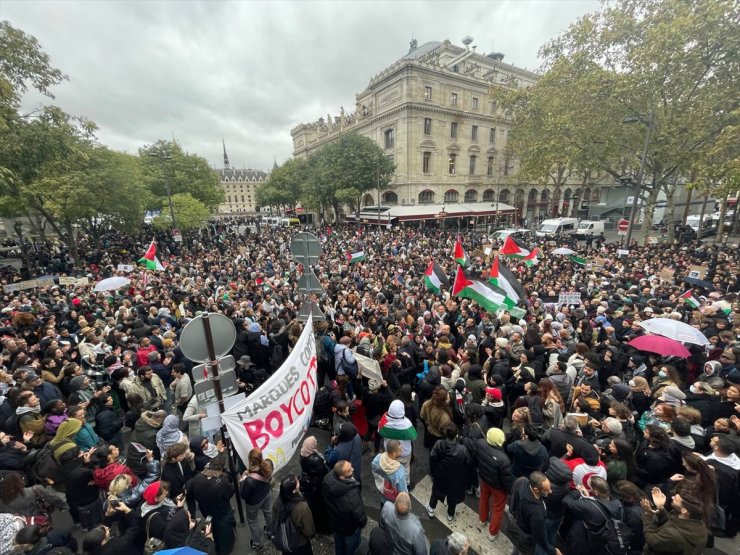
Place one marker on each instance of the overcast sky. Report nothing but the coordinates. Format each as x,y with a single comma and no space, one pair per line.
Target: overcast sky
250,70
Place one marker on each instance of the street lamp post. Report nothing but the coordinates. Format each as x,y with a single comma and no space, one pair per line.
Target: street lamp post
640,173
162,157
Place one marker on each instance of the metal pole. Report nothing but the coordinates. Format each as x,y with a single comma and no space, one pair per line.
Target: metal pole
638,183
213,370
169,192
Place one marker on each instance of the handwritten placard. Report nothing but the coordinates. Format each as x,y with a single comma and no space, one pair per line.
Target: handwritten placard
698,272
569,297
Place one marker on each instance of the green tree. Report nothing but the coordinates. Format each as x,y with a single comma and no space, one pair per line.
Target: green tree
353,162
283,188
671,63
190,213
166,164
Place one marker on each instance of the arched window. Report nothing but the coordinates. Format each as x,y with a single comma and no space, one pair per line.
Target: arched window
504,196
544,196
368,200
488,195
471,195
426,197
452,196
389,197
532,195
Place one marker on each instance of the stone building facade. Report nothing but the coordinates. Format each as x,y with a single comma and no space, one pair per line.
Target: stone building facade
240,187
432,114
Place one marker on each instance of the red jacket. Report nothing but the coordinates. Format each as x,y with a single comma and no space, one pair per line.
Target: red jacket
102,477
142,355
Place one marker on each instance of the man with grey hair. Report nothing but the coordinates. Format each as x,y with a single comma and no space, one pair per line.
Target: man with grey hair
556,439
454,544
400,531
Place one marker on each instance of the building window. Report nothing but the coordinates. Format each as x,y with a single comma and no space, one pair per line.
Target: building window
453,159
475,103
427,95
389,138
488,195
453,130
242,198
492,135
426,197
506,166
453,99
229,198
471,196
474,133
451,196
489,168
426,162
473,159
427,126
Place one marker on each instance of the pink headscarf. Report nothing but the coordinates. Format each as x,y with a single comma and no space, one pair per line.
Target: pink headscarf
309,447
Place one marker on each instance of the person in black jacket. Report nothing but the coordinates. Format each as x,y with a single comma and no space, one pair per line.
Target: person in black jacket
255,490
12,453
589,513
343,498
528,510
108,423
555,440
496,479
212,491
560,476
100,541
449,460
656,458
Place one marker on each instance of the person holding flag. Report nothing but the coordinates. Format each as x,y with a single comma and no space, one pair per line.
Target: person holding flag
150,258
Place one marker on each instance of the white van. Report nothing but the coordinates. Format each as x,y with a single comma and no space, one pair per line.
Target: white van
588,228
557,226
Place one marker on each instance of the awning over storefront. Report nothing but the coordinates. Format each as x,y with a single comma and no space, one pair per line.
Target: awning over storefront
396,214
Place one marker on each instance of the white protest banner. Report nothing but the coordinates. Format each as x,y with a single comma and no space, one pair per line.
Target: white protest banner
67,280
368,367
275,417
569,297
125,267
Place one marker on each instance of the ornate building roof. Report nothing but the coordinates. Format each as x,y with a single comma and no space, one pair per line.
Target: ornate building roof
236,174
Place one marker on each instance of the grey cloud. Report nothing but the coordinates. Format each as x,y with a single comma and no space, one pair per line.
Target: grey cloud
250,71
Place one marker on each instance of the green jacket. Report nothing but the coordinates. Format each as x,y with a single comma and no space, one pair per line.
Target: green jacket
668,535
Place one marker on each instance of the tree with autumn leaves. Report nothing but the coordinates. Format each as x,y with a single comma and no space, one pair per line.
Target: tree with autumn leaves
668,64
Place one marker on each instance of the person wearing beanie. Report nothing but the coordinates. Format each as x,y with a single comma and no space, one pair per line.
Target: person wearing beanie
493,407
395,426
496,480
673,396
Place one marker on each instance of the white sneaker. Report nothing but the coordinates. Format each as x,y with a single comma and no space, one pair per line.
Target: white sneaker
477,492
492,537
430,511
482,525
450,518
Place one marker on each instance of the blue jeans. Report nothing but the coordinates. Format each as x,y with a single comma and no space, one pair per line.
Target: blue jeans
346,545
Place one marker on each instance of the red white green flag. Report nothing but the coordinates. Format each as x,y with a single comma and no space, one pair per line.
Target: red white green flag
471,287
461,256
150,258
435,277
690,300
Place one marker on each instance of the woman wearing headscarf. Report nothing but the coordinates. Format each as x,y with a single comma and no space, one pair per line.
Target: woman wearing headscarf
291,504
170,433
63,448
212,491
314,469
203,451
255,490
711,375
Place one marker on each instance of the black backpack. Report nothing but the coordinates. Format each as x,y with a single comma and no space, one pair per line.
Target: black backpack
615,536
285,535
12,426
45,467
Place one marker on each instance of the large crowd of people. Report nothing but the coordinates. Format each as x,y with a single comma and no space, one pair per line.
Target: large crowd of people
564,436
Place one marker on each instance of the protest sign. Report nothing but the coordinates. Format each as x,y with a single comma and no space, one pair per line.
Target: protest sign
125,267
276,416
368,367
698,272
667,274
568,297
67,280
20,286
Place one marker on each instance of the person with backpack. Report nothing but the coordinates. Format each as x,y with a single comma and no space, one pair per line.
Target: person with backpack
345,363
292,521
598,520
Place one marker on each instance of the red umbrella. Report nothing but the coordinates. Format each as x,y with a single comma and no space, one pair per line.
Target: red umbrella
660,345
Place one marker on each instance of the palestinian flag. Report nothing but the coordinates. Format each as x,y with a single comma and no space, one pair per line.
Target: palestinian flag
577,259
514,247
690,300
504,279
150,258
355,257
435,277
474,288
531,259
460,256
396,428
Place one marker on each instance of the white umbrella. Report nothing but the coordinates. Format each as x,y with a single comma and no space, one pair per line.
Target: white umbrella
111,283
675,329
563,250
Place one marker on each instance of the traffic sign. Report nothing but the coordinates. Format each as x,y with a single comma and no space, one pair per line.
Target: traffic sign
205,391
193,337
177,235
201,372
622,226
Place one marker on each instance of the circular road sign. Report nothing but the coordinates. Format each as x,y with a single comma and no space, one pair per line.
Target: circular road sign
193,337
623,225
